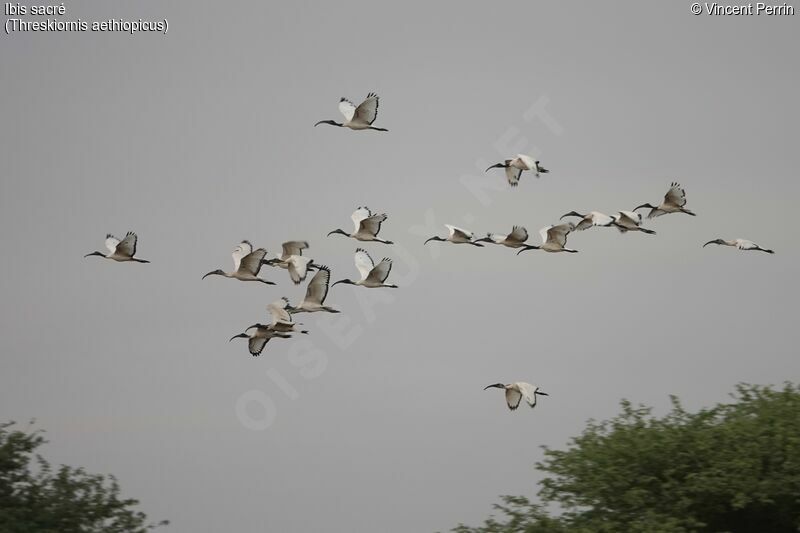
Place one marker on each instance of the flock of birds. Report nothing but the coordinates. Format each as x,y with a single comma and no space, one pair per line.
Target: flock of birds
247,262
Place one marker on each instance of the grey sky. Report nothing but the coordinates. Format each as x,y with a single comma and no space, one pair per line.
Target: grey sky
203,137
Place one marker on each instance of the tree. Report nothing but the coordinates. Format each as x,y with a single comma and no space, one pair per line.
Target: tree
732,468
34,497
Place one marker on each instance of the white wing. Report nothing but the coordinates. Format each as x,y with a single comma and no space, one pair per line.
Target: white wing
675,196
347,109
127,246
278,311
527,161
512,175
518,234
367,111
381,271
318,286
241,250
111,243
372,224
291,248
513,398
528,392
558,234
543,233
636,218
364,263
298,268
358,215
252,262
256,345
459,232
744,244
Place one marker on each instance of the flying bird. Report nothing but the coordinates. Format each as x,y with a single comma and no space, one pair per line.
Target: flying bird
357,118
292,260
516,391
456,236
626,221
514,168
366,226
246,264
372,275
674,202
554,239
515,239
591,219
316,292
741,244
120,250
259,338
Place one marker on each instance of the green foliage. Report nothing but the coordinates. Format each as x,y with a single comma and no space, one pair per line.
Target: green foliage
731,468
37,498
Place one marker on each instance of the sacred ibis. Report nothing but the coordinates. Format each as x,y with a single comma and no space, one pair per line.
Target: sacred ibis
316,292
456,236
515,239
554,239
292,260
357,118
120,250
516,391
674,202
259,338
514,168
593,218
367,226
626,221
372,275
742,244
246,264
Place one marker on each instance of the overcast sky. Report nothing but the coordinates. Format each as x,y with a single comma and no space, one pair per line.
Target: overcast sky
377,420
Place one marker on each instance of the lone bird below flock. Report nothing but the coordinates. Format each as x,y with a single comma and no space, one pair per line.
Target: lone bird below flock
357,118
554,239
246,264
316,292
514,168
120,250
456,236
292,260
515,239
629,221
516,391
259,338
372,275
674,202
367,226
741,244
593,218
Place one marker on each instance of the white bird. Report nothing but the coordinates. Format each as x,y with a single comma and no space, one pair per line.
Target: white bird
741,244
372,275
674,202
120,250
515,239
292,260
259,338
514,168
282,320
554,239
626,221
593,218
516,391
456,236
316,292
246,264
366,226
357,118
